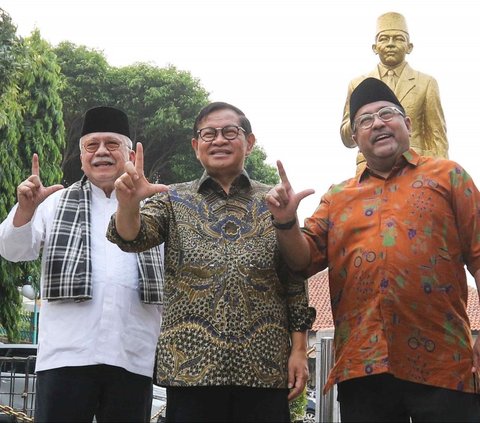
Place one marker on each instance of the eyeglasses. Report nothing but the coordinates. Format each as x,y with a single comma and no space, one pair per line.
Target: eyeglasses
229,132
93,146
385,114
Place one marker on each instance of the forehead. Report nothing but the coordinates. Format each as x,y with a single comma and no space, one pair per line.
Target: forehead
392,33
220,118
373,107
103,136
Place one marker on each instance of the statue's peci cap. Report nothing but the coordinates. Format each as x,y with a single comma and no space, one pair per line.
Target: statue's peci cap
105,119
368,91
391,21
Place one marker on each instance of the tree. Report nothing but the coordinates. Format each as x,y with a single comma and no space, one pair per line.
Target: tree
30,121
257,168
85,73
162,104
43,130
10,119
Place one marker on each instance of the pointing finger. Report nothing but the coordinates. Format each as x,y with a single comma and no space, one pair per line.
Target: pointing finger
139,159
35,165
282,174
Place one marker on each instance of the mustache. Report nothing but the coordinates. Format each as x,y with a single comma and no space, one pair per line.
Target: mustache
107,159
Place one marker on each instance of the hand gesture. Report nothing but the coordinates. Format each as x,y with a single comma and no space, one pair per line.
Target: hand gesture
132,187
282,200
31,193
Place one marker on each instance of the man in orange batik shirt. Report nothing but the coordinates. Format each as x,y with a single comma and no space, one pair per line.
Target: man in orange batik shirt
396,239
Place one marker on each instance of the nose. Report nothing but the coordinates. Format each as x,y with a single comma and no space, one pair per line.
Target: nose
102,149
377,119
391,41
219,138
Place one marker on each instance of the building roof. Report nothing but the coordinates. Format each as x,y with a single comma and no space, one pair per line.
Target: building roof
319,297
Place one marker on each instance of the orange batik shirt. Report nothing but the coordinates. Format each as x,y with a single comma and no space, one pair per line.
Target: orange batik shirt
396,250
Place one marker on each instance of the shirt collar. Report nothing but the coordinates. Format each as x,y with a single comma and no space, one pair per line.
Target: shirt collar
382,69
242,180
409,157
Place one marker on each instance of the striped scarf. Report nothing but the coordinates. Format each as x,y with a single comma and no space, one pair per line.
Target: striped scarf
68,273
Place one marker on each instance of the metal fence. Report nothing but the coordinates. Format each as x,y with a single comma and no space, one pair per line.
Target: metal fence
326,408
17,387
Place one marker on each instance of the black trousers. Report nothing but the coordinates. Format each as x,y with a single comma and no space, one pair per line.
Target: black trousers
227,404
77,394
384,398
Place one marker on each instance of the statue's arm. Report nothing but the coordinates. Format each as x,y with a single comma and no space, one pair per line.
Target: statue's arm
345,129
435,121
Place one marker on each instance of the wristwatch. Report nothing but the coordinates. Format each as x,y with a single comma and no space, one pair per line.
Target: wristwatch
286,225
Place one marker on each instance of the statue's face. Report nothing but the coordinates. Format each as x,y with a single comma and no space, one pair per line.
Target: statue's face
392,46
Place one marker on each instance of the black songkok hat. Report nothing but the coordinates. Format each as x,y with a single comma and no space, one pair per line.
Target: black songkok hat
105,119
369,91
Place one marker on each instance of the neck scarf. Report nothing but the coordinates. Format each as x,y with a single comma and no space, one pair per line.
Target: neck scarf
68,272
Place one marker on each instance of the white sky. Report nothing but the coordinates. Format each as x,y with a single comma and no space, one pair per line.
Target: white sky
286,64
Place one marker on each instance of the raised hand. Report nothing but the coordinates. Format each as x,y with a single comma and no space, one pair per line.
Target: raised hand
132,187
31,193
282,201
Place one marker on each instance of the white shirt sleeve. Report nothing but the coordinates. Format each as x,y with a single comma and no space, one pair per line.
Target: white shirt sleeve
24,243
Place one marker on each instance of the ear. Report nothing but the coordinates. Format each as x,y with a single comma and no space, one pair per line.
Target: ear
374,48
195,146
131,156
354,139
408,124
250,143
409,48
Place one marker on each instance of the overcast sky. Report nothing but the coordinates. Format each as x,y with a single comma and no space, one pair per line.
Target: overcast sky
286,64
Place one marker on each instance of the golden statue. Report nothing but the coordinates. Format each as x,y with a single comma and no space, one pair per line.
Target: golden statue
418,92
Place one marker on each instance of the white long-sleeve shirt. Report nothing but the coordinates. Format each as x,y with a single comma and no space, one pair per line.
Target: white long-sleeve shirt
113,328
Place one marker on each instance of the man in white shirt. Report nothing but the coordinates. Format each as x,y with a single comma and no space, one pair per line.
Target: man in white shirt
101,307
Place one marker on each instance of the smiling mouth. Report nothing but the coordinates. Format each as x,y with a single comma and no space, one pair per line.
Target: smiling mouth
99,164
382,137
220,153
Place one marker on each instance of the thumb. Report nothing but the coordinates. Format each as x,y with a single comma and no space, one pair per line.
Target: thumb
156,188
51,189
305,193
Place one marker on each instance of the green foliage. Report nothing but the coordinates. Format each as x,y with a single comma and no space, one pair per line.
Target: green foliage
298,406
43,131
85,73
259,170
30,120
8,49
162,104
10,124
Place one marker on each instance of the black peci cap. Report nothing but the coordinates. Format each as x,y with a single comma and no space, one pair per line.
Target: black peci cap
105,119
369,91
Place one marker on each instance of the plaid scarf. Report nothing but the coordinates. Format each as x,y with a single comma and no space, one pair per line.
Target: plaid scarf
68,273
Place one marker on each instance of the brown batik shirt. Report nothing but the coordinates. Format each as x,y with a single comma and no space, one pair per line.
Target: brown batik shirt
229,301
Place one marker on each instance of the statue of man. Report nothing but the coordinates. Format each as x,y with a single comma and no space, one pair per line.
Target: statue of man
418,92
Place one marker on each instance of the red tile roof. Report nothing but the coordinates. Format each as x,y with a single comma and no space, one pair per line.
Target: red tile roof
319,296
473,308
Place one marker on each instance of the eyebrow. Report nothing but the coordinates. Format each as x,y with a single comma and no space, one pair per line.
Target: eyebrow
105,140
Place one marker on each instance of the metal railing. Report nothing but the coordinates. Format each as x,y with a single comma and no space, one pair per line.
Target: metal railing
326,407
17,387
